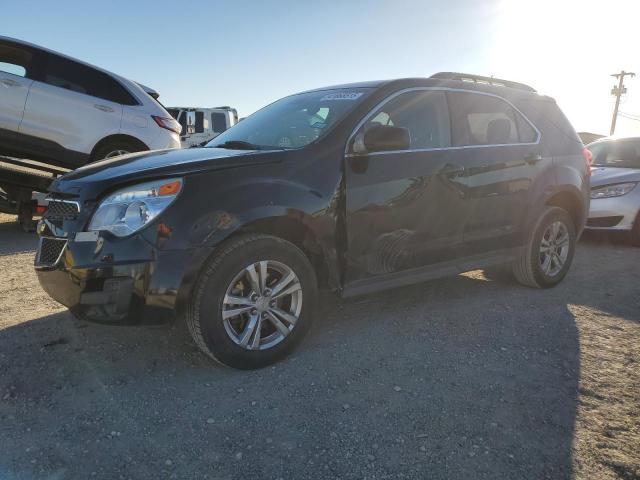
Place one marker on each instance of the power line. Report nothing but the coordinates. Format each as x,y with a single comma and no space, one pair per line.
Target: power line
618,90
629,117
630,114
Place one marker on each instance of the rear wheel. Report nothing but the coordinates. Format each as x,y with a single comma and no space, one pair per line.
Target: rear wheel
549,252
115,148
253,303
25,216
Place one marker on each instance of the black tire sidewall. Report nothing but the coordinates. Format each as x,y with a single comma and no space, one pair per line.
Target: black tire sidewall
212,287
552,215
635,231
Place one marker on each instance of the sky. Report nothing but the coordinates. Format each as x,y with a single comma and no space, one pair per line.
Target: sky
248,53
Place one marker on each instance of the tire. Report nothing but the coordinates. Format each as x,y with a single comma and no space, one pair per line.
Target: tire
635,231
228,338
531,268
25,217
116,147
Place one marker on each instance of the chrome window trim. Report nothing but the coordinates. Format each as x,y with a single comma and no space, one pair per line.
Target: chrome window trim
77,204
438,89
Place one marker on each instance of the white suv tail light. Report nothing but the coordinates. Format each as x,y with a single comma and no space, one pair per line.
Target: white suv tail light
167,122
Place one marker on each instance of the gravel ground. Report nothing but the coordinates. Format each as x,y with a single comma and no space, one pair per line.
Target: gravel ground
468,377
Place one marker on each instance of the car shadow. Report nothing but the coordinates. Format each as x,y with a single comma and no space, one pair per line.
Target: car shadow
613,238
467,377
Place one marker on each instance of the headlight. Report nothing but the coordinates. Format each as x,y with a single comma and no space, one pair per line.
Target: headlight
129,209
616,190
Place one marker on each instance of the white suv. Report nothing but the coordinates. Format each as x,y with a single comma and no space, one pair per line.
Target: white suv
58,109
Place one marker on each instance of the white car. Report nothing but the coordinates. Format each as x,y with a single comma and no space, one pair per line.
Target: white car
615,189
57,109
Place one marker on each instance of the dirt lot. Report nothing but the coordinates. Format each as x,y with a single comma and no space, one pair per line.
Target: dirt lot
468,377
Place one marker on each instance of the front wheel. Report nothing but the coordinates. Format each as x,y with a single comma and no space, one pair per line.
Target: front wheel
253,303
549,252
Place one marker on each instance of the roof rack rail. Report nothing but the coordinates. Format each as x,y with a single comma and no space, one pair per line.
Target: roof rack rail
466,77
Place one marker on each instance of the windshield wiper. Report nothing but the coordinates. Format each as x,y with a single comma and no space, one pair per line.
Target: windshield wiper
238,145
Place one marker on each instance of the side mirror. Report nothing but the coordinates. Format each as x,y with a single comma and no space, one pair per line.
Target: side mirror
191,123
382,138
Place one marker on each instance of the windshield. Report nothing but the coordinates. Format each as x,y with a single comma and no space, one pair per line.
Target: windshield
292,122
616,153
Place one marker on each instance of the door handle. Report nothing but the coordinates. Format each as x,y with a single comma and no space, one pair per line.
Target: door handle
104,108
452,171
9,83
533,158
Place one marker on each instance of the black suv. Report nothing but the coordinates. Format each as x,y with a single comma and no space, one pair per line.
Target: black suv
359,187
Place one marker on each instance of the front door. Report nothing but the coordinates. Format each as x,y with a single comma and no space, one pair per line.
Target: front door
403,208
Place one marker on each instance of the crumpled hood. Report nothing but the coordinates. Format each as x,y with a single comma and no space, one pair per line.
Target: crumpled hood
94,178
609,175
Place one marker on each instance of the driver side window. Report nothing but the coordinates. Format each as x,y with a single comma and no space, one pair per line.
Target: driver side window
424,113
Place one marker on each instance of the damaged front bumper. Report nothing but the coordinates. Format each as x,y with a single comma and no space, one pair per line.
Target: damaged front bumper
112,280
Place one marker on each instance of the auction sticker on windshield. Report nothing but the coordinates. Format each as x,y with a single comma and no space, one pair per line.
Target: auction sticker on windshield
342,96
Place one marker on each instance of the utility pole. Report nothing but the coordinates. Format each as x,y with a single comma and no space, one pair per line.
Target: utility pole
618,90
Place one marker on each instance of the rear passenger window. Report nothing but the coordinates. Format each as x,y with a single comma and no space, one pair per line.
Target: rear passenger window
79,78
526,133
485,120
423,113
14,60
13,69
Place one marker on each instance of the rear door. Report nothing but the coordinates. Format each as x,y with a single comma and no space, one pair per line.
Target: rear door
502,157
15,67
72,106
403,208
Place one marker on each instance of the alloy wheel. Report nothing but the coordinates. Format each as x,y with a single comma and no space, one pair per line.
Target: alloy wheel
554,248
262,305
116,153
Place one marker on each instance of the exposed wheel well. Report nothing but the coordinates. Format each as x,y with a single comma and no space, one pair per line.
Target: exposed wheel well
118,138
291,229
296,232
569,202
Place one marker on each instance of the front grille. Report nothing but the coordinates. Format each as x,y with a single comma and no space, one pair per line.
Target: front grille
59,210
604,222
50,251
